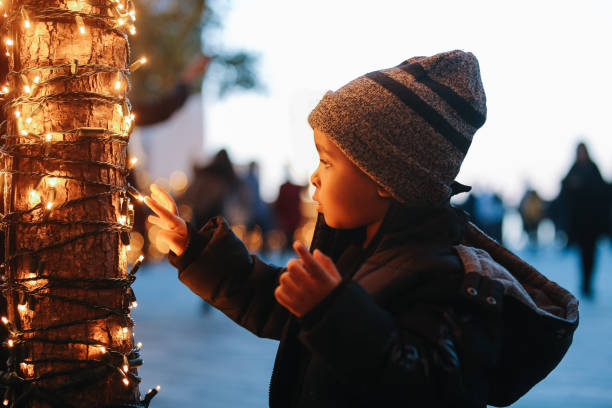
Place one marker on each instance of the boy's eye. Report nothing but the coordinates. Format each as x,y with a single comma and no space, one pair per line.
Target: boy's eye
324,162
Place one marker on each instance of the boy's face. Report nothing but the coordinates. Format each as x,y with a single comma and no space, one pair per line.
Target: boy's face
347,197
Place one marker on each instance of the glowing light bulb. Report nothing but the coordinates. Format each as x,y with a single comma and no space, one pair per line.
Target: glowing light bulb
138,63
140,198
29,120
158,387
128,248
133,161
126,382
120,22
134,304
49,205
82,29
9,42
139,345
48,137
122,219
118,85
5,402
126,368
11,343
5,89
125,330
4,320
27,89
103,349
120,6
36,79
140,258
17,113
133,31
27,24
132,116
24,133
34,197
52,181
22,308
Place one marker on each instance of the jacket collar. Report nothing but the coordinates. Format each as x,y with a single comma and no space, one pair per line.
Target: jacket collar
400,225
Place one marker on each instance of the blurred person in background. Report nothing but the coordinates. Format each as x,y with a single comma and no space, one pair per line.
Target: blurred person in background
288,210
213,187
489,211
260,217
532,209
486,210
585,203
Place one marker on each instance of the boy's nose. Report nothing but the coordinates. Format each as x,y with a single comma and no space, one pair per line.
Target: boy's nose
314,179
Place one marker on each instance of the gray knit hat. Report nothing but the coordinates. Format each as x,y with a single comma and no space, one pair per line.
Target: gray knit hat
410,126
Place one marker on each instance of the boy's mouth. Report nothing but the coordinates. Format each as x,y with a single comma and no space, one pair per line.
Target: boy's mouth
316,199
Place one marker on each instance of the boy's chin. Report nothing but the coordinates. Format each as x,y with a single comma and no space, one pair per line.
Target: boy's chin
330,222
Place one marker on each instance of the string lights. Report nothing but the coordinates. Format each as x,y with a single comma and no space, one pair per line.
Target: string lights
28,280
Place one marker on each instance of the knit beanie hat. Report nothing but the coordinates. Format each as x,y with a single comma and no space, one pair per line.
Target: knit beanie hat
408,127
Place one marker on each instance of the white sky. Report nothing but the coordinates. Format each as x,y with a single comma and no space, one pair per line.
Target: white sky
546,68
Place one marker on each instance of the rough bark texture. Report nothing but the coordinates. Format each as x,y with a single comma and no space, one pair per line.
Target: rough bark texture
46,43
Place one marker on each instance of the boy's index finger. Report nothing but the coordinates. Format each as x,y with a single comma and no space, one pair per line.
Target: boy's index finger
163,196
160,210
310,264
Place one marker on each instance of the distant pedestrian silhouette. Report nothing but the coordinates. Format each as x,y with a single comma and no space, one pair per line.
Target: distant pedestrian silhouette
584,201
487,211
532,209
288,211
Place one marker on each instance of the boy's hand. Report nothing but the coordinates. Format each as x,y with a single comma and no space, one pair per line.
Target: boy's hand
173,227
307,281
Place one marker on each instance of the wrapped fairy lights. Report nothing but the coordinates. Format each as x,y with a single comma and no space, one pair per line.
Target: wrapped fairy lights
28,279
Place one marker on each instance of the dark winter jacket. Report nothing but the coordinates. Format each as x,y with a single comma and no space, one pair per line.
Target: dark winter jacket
421,318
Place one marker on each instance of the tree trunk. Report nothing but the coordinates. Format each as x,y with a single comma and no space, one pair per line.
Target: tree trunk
66,208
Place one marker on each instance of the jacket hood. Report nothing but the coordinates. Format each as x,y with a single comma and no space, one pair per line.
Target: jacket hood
481,254
539,317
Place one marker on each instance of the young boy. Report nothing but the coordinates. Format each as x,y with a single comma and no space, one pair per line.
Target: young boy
402,302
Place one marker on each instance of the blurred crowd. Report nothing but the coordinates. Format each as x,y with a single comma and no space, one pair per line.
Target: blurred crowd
224,188
581,213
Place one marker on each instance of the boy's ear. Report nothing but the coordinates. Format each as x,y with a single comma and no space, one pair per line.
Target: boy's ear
382,193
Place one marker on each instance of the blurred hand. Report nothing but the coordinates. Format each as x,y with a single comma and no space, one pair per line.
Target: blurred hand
196,68
307,281
173,228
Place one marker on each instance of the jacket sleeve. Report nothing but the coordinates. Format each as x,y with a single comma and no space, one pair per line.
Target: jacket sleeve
218,267
408,359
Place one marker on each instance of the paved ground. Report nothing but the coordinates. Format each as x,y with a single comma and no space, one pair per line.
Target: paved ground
205,360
